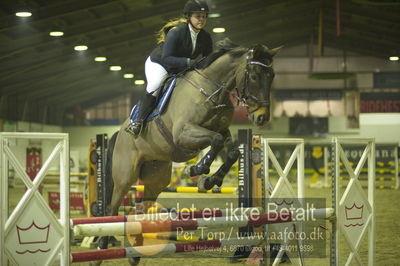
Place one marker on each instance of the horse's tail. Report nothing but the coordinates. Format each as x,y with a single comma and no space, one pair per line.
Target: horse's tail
108,178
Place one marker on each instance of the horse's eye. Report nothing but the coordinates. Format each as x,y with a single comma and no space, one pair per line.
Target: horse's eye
253,77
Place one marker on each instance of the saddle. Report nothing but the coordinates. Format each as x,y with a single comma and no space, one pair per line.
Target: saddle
162,100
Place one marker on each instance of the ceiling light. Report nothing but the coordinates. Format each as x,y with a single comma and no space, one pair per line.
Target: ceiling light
115,68
139,82
394,58
80,48
56,33
23,14
128,76
100,59
218,30
214,15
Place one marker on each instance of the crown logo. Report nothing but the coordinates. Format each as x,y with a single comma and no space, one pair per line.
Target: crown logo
354,212
33,234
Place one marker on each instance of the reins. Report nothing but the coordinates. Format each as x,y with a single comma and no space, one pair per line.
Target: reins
242,94
209,97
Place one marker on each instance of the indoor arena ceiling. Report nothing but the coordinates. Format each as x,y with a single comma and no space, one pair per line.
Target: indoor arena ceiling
42,77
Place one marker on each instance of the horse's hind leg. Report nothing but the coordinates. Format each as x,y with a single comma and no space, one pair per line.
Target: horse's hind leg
156,176
124,173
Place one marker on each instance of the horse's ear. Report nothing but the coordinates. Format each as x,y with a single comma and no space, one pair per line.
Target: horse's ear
258,50
274,51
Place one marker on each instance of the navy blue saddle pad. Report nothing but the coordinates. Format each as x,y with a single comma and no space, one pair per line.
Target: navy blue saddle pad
162,101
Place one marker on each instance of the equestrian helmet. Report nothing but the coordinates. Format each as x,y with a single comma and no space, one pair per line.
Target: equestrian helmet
193,6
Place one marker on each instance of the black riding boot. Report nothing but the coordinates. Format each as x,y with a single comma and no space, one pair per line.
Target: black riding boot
146,105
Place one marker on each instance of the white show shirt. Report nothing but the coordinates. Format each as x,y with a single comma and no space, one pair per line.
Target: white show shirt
193,34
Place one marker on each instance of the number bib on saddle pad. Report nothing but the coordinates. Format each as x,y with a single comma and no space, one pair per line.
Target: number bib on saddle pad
162,102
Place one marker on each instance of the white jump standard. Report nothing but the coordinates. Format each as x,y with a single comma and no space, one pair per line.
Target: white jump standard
33,213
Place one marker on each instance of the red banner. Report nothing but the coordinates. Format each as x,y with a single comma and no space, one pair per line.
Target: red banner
75,201
380,102
379,106
33,162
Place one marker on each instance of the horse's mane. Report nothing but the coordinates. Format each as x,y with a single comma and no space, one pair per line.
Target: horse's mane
224,46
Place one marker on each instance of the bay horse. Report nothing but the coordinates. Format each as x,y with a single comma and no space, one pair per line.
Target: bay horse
198,115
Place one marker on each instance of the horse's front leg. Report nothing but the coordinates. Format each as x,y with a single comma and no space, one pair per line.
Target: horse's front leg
208,182
203,166
194,137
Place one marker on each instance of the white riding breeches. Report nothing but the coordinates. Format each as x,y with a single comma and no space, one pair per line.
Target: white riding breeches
155,75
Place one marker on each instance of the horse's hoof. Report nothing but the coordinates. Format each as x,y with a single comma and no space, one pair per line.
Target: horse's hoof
134,261
193,170
204,184
218,181
196,170
138,240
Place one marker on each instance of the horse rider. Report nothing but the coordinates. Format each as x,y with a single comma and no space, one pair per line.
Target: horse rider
181,44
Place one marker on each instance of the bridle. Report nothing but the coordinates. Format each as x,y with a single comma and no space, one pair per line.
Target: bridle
242,93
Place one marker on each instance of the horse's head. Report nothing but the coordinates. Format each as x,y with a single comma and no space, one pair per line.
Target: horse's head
254,83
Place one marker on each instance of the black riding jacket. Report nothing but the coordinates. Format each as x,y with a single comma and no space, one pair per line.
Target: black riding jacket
177,48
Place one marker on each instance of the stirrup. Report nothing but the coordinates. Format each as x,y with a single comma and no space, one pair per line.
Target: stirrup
134,128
